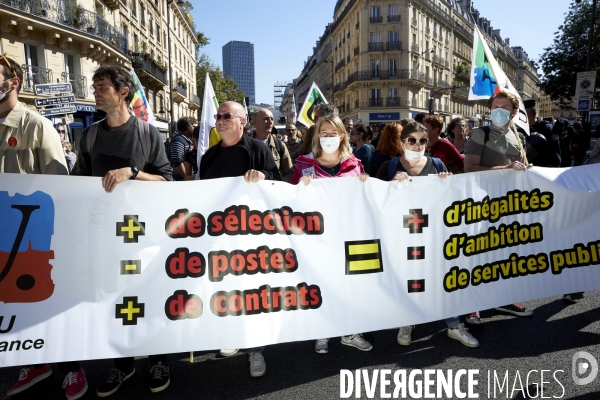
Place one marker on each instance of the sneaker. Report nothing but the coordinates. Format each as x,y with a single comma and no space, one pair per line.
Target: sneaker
321,346
75,384
29,377
228,352
461,333
404,335
573,297
357,341
473,318
159,377
516,309
113,382
258,367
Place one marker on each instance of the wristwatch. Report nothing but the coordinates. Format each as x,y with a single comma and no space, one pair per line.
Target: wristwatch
134,173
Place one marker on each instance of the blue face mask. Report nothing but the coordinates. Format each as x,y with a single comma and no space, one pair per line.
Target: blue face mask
500,116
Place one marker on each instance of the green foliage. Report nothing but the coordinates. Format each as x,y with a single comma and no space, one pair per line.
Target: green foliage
567,55
225,88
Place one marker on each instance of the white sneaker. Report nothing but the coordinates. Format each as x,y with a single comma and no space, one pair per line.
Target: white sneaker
462,335
228,352
321,346
357,341
258,367
404,335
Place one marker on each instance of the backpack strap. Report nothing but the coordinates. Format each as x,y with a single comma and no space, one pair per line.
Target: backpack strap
279,147
486,130
91,135
438,164
144,133
393,167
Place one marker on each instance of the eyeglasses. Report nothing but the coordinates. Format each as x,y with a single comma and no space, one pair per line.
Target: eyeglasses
60,131
412,141
9,65
226,116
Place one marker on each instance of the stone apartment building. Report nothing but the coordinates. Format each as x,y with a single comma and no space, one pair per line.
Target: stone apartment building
66,41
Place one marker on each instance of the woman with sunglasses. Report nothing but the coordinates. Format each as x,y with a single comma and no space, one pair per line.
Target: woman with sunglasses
330,158
360,136
413,162
457,133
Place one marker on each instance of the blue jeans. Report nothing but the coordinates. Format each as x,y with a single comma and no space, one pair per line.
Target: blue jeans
255,350
452,322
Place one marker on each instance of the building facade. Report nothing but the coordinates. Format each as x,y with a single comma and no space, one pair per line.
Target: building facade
63,41
393,59
238,62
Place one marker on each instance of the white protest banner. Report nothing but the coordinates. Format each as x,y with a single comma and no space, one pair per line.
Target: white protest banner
158,268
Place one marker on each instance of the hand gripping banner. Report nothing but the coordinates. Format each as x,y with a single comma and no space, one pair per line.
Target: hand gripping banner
159,267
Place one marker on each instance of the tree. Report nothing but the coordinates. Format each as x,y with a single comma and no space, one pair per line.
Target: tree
225,88
567,55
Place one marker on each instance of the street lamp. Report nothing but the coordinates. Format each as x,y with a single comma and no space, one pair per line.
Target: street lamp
169,2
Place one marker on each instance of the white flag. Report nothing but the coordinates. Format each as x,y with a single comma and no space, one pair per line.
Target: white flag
487,78
207,119
294,114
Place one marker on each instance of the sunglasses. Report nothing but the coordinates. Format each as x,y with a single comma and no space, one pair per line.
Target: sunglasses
412,141
226,116
60,131
2,57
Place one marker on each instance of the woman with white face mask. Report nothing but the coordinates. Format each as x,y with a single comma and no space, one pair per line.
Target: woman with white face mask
413,161
330,157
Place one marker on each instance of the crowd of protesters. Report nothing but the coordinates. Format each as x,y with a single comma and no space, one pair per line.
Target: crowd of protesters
122,147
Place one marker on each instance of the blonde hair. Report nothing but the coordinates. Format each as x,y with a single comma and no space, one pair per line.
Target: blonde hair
339,126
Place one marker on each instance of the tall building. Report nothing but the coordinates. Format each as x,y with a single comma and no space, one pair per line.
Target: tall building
238,62
388,60
61,41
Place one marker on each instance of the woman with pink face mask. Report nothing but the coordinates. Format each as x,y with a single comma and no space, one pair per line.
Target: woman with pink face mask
330,158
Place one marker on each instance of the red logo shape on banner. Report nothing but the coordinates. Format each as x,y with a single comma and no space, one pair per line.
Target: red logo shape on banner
12,141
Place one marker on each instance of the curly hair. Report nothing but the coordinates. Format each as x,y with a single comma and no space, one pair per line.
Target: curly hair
119,77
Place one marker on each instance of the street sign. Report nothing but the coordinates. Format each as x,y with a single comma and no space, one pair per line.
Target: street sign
68,119
64,109
583,105
54,88
54,101
586,83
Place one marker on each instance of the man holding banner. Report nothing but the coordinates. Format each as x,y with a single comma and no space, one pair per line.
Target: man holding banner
118,148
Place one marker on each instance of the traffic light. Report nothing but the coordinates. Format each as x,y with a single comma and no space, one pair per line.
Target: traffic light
431,106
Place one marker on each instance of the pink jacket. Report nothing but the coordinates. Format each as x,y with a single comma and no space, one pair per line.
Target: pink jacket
350,166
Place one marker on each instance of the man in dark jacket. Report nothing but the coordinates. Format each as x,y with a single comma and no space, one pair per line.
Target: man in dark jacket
239,155
544,142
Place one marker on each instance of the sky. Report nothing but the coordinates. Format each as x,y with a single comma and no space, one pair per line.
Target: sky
284,34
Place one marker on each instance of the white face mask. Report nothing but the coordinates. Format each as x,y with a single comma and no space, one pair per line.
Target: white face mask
413,155
2,94
330,144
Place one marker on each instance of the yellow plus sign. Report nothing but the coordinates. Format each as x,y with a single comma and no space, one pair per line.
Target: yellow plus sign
130,229
130,310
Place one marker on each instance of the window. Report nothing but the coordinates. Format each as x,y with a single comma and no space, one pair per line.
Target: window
375,38
133,8
393,67
158,33
393,10
393,92
69,64
143,15
150,25
375,93
375,11
393,36
375,71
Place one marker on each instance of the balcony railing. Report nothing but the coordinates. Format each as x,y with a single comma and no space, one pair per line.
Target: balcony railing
392,101
443,84
462,91
413,21
147,64
357,25
356,103
78,82
428,31
356,50
427,55
376,102
415,47
378,75
182,90
196,99
429,80
375,46
339,87
393,46
340,65
393,18
376,20
417,75
73,16
35,76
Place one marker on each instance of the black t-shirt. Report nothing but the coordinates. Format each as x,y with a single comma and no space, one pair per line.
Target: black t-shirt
331,170
230,162
429,168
